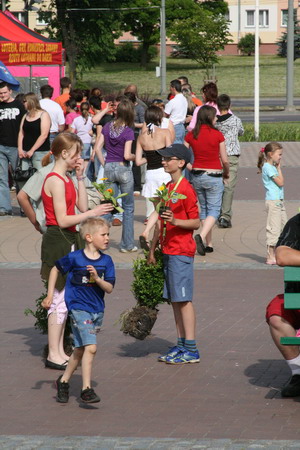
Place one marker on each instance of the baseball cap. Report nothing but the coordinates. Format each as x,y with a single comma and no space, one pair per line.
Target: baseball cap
180,151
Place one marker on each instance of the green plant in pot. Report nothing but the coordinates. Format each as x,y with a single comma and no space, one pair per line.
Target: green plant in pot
147,288
107,195
162,198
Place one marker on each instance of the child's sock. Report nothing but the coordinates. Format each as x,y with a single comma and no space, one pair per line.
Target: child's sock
190,346
294,365
180,343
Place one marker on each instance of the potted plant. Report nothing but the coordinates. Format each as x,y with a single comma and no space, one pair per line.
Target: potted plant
108,196
147,288
162,198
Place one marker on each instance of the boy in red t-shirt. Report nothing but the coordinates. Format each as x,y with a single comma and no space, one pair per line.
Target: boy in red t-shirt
175,231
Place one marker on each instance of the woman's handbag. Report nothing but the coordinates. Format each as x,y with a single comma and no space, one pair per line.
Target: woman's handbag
24,172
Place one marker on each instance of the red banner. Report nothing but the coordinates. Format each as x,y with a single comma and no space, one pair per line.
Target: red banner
30,53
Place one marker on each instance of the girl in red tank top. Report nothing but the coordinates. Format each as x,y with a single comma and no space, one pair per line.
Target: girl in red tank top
60,198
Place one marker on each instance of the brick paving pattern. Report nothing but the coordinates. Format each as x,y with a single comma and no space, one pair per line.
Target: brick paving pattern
230,400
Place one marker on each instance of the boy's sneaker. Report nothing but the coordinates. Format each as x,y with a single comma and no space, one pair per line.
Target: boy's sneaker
172,353
62,395
184,357
89,396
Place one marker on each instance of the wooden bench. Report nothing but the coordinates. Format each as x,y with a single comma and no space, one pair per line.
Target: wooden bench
291,299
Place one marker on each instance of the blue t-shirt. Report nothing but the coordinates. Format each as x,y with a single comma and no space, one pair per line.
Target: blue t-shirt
273,191
81,291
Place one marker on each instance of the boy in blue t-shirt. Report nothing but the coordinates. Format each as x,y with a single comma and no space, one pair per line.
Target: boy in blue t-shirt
91,274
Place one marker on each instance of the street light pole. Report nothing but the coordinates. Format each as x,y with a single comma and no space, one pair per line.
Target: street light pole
256,73
163,85
290,59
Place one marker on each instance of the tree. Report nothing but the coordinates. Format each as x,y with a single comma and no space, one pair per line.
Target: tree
144,23
87,36
247,44
282,43
202,36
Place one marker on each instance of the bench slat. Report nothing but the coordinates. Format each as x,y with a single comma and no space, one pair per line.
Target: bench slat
292,300
290,340
291,273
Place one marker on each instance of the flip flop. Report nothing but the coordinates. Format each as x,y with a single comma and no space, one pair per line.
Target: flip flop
144,244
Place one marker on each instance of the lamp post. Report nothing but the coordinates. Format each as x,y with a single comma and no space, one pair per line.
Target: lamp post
256,73
290,59
163,59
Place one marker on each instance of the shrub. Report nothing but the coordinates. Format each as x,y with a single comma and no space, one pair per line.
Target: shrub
247,44
272,132
129,53
147,286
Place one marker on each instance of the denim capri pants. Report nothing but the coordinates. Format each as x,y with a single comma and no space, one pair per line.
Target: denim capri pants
86,152
85,327
209,191
179,278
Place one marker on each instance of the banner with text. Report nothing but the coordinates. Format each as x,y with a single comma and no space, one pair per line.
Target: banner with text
30,53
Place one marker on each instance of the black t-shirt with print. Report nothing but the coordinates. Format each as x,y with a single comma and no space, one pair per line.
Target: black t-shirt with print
290,237
10,118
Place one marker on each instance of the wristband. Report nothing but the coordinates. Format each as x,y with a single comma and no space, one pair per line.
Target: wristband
81,178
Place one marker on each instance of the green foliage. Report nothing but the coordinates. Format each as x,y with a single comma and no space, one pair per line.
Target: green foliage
282,42
87,36
247,44
216,6
272,132
40,314
147,286
201,36
129,53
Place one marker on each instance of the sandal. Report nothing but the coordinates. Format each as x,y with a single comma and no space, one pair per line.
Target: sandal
144,244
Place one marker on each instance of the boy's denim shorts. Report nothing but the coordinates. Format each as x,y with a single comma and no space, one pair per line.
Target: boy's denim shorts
85,326
179,278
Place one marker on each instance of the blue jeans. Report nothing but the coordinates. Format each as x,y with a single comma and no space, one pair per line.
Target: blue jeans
7,155
121,179
179,133
85,327
209,191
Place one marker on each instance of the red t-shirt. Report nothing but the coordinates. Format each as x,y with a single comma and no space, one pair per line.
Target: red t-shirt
70,194
179,241
206,147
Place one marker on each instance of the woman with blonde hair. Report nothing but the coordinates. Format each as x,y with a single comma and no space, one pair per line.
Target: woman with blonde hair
34,134
60,197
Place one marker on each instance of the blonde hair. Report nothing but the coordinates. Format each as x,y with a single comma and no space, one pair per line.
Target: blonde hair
271,147
64,141
92,225
33,103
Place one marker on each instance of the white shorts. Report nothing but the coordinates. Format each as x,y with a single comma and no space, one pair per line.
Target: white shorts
153,180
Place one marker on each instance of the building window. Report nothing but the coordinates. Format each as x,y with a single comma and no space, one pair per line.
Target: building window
40,21
250,18
20,16
263,18
284,16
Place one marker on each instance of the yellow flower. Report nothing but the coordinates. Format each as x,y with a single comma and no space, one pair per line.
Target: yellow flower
103,179
161,188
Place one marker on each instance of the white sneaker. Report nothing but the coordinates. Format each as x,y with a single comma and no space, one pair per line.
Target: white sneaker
132,250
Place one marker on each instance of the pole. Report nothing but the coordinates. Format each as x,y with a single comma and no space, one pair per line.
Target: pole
163,84
3,5
239,21
290,59
256,73
30,78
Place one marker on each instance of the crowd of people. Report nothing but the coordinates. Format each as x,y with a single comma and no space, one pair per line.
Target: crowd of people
189,145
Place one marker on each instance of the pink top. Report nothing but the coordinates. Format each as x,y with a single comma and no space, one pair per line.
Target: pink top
71,116
194,118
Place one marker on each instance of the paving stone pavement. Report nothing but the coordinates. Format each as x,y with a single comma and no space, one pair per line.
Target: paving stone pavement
230,400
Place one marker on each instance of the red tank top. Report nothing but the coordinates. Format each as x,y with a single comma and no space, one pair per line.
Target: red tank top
70,194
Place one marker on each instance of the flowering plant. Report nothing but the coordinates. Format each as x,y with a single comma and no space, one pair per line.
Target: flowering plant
107,194
163,196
